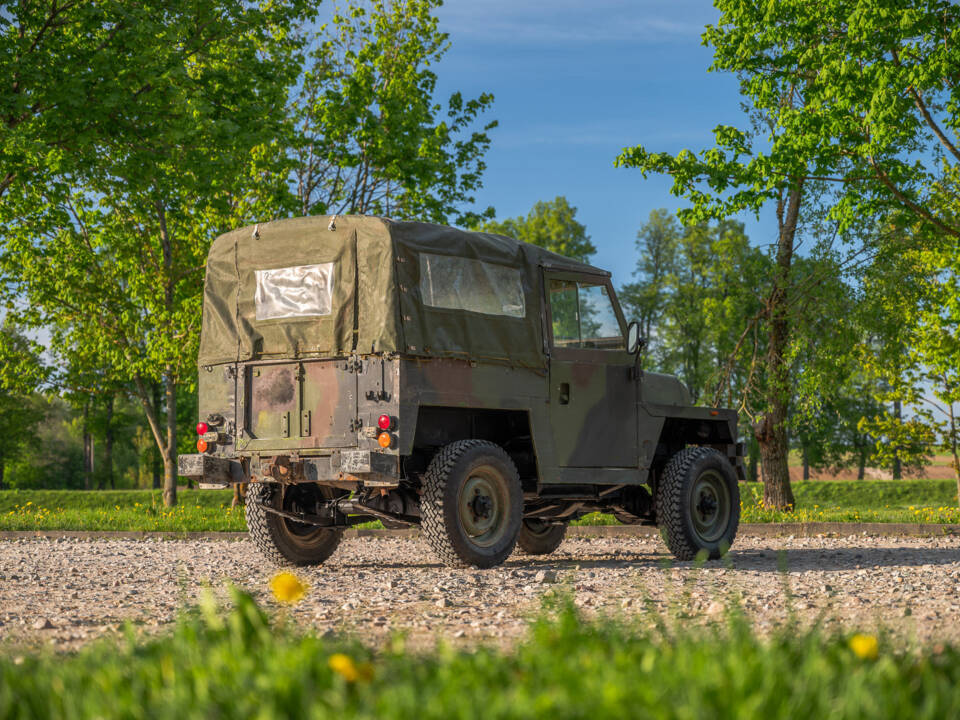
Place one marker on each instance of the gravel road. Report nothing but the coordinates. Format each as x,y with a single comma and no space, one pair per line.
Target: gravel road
65,592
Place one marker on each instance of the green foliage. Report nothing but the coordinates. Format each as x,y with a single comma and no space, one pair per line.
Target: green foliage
239,663
107,250
21,373
695,292
370,136
859,96
550,224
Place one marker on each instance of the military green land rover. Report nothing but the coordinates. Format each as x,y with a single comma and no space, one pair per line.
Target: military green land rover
481,388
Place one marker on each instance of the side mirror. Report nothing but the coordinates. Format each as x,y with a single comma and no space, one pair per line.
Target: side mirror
633,338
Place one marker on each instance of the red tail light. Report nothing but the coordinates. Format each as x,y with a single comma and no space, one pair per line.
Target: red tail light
384,422
202,427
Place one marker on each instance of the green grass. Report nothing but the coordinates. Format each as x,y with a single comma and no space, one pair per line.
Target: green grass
244,664
139,510
209,510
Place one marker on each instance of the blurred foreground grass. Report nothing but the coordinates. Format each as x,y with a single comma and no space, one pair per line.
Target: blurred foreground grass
929,501
241,663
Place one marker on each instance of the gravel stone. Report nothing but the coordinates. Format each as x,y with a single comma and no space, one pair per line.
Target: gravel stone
375,587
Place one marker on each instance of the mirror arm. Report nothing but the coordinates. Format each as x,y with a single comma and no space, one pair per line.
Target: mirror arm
636,372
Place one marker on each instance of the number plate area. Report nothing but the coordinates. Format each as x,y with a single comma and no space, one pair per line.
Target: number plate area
355,461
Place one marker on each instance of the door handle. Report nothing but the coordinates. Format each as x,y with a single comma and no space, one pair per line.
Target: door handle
564,393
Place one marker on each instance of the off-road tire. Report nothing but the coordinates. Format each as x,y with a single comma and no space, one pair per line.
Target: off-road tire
283,541
450,472
537,537
676,506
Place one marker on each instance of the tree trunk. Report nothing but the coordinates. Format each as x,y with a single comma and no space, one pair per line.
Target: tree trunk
753,454
806,460
2,468
953,447
170,451
108,442
771,431
167,446
155,464
862,461
897,469
87,448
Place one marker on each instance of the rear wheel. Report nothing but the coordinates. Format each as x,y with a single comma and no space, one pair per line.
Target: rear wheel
281,540
472,504
698,503
539,537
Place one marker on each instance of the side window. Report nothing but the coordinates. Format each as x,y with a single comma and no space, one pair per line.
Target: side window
563,310
457,283
583,316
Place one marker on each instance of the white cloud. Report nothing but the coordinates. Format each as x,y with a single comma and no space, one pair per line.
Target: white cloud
570,21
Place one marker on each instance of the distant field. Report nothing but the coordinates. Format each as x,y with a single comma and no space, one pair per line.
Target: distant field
209,510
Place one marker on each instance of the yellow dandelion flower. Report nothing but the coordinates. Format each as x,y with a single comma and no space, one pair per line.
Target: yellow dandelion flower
350,671
288,588
344,666
864,647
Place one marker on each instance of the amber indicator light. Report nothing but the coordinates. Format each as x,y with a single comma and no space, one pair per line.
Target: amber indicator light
383,439
202,445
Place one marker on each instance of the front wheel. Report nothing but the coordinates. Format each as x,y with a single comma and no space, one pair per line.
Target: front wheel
281,540
472,504
698,503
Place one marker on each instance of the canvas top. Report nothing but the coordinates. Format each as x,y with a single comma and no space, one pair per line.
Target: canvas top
328,287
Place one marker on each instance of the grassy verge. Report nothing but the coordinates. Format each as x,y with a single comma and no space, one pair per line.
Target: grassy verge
929,501
140,510
243,664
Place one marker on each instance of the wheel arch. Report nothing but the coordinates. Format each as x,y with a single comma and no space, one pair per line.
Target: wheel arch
438,426
704,429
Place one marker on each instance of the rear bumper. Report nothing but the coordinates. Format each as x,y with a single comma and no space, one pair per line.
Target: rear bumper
210,470
370,468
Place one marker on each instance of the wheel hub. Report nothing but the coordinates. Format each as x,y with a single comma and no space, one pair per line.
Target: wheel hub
710,506
483,506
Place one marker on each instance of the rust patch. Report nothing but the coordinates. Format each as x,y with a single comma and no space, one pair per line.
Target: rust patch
277,388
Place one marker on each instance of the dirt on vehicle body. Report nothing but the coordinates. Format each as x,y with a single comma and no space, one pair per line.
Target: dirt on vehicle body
482,388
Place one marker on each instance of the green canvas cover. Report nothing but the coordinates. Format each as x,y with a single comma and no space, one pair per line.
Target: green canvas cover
408,287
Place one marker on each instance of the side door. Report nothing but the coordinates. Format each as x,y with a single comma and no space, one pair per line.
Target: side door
593,397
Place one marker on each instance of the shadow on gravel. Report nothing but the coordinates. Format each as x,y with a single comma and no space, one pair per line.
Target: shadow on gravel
862,558
798,560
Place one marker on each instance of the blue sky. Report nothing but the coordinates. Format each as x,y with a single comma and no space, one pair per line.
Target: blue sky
574,83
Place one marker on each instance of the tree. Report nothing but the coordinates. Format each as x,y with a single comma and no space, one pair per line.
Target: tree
370,136
645,298
847,95
551,225
21,374
110,255
696,288
76,74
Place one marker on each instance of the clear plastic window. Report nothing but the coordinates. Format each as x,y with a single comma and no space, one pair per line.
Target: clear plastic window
458,283
290,292
583,316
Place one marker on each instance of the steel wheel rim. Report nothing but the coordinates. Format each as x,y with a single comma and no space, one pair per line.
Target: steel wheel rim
483,506
710,506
